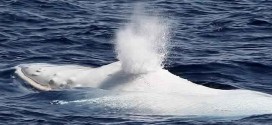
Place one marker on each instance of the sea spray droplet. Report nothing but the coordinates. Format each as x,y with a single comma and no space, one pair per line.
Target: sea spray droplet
141,45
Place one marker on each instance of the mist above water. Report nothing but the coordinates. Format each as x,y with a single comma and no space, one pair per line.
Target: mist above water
141,45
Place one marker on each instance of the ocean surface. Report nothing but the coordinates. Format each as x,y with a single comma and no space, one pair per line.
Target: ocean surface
224,44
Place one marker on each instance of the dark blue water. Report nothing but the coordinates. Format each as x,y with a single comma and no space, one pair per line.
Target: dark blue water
223,44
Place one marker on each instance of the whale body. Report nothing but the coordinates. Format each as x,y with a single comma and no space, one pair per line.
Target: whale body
158,90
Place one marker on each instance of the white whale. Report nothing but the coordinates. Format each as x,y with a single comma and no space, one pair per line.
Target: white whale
172,93
140,81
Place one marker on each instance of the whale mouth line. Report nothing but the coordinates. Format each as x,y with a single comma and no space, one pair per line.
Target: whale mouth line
23,75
